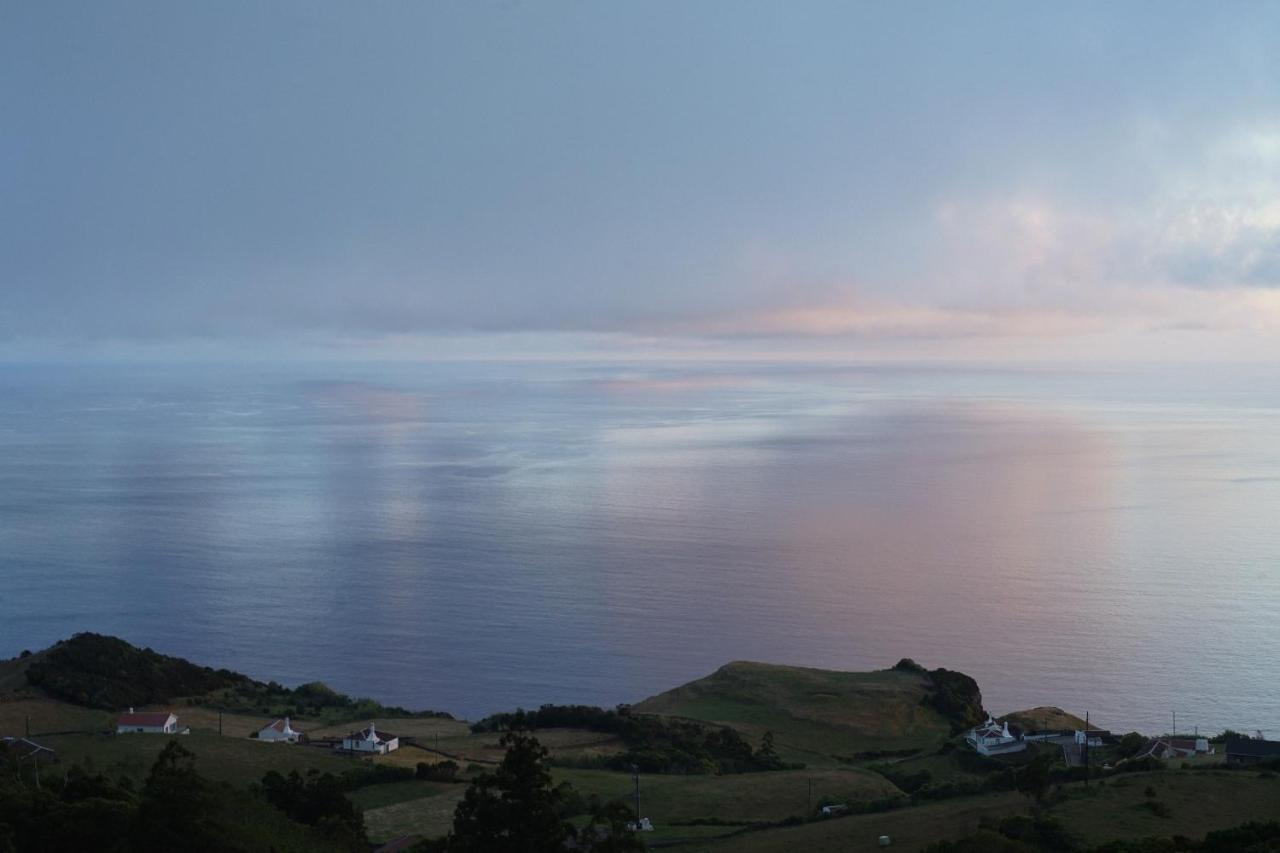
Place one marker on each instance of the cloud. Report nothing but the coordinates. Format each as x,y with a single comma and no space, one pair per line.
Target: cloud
702,172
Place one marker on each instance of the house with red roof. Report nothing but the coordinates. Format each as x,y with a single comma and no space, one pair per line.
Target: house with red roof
148,722
370,740
279,732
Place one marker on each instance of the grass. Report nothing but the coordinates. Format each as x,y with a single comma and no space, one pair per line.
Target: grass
50,715
423,729
394,793
1199,801
817,716
430,816
1045,717
910,829
403,808
239,761
738,797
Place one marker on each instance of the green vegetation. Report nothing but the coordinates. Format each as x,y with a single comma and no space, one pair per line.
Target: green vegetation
882,745
237,761
518,809
97,671
653,744
820,717
175,808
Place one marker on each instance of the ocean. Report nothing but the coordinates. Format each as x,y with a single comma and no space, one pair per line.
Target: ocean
472,537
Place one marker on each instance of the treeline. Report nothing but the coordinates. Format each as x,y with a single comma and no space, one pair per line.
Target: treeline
1044,834
654,744
175,808
98,671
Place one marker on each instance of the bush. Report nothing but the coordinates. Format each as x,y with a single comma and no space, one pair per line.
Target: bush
654,744
441,771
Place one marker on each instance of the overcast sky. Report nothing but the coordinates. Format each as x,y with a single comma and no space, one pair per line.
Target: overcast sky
943,178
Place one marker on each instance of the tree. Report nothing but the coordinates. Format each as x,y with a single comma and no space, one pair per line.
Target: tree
1130,745
767,756
609,832
174,812
515,809
1033,779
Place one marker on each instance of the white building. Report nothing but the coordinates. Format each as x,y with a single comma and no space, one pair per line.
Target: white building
150,722
1174,747
992,738
1092,737
279,732
370,740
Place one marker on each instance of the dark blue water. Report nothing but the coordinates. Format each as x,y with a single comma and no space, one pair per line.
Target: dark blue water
471,537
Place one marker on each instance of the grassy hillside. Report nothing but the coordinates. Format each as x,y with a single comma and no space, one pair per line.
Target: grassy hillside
97,671
1045,717
816,715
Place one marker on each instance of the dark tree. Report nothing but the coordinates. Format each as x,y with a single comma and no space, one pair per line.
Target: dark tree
174,812
1033,778
515,809
608,831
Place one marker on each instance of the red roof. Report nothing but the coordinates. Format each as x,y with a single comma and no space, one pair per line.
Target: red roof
158,719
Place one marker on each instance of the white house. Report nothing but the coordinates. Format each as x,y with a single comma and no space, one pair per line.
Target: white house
279,732
1174,747
1092,737
991,738
150,722
370,740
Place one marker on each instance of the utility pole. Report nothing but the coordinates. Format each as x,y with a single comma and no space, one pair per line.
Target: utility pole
1086,749
810,809
219,724
1175,722
635,775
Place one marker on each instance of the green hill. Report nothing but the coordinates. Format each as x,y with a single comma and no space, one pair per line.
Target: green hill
822,716
98,671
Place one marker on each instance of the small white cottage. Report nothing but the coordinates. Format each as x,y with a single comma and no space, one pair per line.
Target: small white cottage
371,740
279,732
992,738
149,722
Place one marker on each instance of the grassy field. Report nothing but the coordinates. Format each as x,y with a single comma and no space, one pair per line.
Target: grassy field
48,715
404,807
1199,801
430,816
738,797
239,761
910,829
817,716
569,744
423,729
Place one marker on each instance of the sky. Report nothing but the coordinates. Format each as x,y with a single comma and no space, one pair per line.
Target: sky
696,179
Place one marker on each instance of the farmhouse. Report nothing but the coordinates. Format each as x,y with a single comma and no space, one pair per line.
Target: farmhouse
1091,737
370,740
992,738
1175,747
279,732
1252,751
149,722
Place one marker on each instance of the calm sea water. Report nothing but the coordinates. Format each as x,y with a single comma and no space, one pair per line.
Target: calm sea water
476,537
